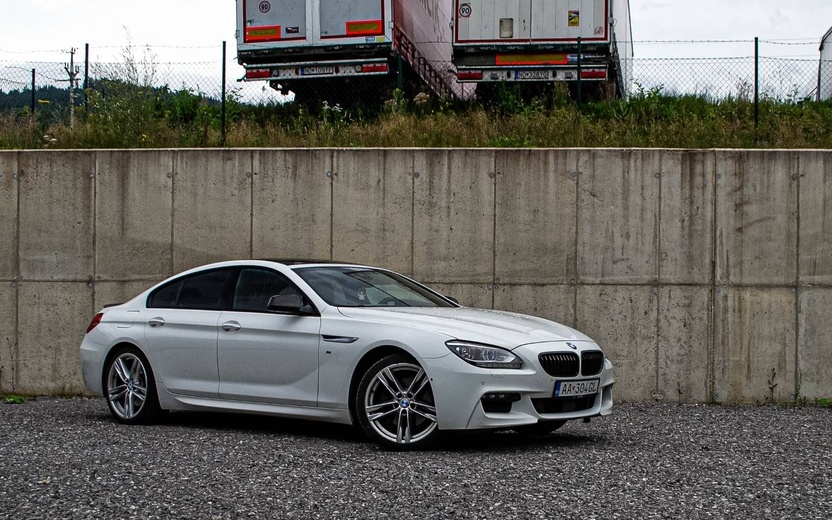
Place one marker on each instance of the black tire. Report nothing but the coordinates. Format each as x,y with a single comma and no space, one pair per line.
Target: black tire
395,405
130,388
541,428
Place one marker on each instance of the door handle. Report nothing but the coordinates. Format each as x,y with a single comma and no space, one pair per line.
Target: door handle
231,326
156,322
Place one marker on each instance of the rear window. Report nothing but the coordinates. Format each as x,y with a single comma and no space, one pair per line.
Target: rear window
202,291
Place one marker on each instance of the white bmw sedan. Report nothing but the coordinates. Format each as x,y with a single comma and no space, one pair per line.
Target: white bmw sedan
341,343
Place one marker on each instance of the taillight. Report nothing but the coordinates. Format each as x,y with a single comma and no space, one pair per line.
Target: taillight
374,67
95,321
594,74
469,75
258,73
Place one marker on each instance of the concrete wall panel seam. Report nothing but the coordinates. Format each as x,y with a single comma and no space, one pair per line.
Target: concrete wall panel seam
711,371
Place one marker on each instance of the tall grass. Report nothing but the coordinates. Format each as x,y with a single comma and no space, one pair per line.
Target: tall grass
127,116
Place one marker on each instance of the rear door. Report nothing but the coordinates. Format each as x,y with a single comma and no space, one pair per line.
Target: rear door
181,332
493,21
360,19
524,21
271,21
566,20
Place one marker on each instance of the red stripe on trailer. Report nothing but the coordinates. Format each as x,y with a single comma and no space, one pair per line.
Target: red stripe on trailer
365,28
266,33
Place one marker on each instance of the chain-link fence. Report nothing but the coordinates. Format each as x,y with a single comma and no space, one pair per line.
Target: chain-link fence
787,71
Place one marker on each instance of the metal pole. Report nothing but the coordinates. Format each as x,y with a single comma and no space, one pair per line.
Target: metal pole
86,75
399,71
756,82
73,71
33,94
222,138
580,51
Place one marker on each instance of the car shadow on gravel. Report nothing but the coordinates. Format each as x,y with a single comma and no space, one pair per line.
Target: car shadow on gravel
485,441
508,441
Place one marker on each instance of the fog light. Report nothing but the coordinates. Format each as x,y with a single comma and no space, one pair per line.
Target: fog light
498,402
501,396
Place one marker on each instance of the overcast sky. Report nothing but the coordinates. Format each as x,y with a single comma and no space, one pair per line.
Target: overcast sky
59,24
54,26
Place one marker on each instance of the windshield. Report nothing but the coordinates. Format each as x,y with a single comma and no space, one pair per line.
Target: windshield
365,287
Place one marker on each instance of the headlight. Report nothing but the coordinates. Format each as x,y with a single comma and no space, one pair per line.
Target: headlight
484,356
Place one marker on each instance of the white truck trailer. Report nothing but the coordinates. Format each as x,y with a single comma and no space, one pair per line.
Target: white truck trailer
543,41
825,68
316,47
451,45
303,43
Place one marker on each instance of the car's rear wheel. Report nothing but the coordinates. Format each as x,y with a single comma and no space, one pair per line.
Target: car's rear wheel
395,404
541,428
130,387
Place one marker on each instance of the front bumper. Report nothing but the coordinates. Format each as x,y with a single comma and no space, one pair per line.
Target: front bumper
459,388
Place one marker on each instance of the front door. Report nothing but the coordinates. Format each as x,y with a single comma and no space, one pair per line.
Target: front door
267,357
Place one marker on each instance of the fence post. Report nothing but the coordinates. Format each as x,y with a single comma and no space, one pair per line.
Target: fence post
33,95
580,51
86,77
399,71
222,132
756,83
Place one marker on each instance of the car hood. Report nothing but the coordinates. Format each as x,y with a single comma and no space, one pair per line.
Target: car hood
505,329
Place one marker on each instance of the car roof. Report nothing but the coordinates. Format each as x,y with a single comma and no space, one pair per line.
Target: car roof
297,261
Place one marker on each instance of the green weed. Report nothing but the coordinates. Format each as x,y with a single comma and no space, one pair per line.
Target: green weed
13,399
126,114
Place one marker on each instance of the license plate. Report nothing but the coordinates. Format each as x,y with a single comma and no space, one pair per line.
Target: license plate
316,71
576,388
532,74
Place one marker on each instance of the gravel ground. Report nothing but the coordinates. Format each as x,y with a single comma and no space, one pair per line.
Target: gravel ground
66,458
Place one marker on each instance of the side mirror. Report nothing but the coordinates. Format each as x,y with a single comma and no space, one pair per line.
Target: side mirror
291,303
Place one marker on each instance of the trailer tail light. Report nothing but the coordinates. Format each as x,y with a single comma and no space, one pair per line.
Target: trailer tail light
594,74
95,321
469,75
374,67
263,34
364,28
258,73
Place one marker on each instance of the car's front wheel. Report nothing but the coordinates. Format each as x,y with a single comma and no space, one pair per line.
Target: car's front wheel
130,388
395,404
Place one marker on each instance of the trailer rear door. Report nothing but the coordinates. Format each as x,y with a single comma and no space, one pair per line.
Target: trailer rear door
527,21
270,21
352,18
498,21
559,20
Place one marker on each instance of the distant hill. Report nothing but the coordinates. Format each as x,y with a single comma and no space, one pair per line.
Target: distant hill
16,100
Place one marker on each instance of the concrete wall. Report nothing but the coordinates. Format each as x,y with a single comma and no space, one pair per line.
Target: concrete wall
706,275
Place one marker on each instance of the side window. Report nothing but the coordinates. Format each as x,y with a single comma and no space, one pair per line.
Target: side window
255,287
165,298
203,291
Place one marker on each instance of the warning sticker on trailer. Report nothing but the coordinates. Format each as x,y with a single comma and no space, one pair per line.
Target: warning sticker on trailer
574,18
465,11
